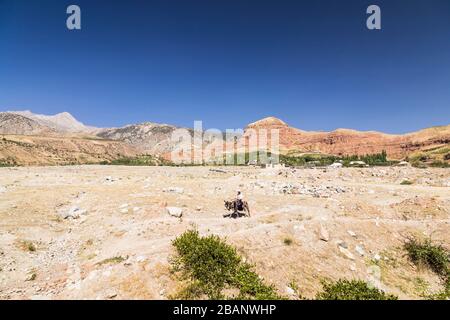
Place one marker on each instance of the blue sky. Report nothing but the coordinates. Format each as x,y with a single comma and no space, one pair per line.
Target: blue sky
313,64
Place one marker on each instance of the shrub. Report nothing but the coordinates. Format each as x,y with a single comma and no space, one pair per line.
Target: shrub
27,246
435,257
210,265
351,290
406,183
287,241
113,260
425,253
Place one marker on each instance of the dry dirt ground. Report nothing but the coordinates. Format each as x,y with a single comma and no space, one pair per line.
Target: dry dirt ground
120,245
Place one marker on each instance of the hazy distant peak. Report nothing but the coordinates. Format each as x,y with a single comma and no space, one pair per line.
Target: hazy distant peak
63,121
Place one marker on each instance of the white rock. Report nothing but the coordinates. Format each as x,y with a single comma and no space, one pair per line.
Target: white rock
351,233
377,257
140,259
174,190
2,189
290,291
125,205
323,234
360,250
346,253
73,213
175,212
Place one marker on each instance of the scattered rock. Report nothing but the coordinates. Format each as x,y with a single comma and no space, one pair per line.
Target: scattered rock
351,233
342,244
323,234
174,190
290,291
140,259
377,257
346,253
175,212
73,213
360,250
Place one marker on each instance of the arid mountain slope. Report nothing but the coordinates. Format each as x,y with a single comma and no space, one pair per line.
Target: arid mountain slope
16,124
39,150
62,122
349,142
153,138
147,137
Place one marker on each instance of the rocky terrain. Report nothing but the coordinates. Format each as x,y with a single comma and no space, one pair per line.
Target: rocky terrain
50,150
62,122
352,142
105,232
156,139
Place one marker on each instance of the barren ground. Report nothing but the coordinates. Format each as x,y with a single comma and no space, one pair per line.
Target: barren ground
121,247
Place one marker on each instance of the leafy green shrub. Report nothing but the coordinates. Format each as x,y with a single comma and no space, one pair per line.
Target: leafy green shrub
351,290
425,253
435,257
210,265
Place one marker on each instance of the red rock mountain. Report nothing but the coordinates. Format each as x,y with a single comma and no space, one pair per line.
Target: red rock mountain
350,142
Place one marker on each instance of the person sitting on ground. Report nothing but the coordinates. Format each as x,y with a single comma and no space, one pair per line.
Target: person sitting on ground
239,201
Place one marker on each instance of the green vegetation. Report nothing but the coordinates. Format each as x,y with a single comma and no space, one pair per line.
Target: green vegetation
437,157
434,256
210,266
113,260
27,246
287,241
425,253
8,162
143,160
406,183
351,290
377,159
439,164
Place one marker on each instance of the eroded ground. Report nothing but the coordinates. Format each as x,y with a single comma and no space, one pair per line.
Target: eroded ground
343,223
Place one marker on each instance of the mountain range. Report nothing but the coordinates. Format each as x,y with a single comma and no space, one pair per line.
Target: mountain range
30,138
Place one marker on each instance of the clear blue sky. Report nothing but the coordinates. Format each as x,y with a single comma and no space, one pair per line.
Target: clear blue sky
313,64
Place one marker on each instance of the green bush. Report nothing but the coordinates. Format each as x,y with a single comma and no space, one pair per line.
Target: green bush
425,253
143,160
210,266
433,256
406,183
351,290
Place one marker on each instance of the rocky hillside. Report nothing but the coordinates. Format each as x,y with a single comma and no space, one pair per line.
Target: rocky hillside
62,122
154,138
350,142
16,124
147,137
40,150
